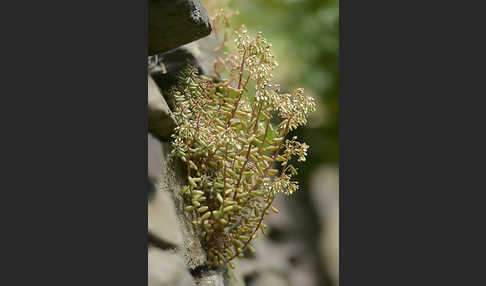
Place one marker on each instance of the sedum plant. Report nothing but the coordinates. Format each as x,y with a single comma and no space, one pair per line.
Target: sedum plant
232,134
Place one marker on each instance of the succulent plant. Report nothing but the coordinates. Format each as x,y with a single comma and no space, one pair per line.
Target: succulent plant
231,133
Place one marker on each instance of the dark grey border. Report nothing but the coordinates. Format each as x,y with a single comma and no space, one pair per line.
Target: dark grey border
74,144
412,143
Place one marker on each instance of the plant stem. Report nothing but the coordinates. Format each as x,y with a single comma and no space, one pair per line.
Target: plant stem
254,231
249,148
274,154
239,86
264,137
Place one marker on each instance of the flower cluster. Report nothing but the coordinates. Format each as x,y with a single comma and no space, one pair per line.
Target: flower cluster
237,159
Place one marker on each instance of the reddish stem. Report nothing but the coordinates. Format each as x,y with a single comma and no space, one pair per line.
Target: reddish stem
271,201
274,154
249,149
253,233
239,86
264,137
